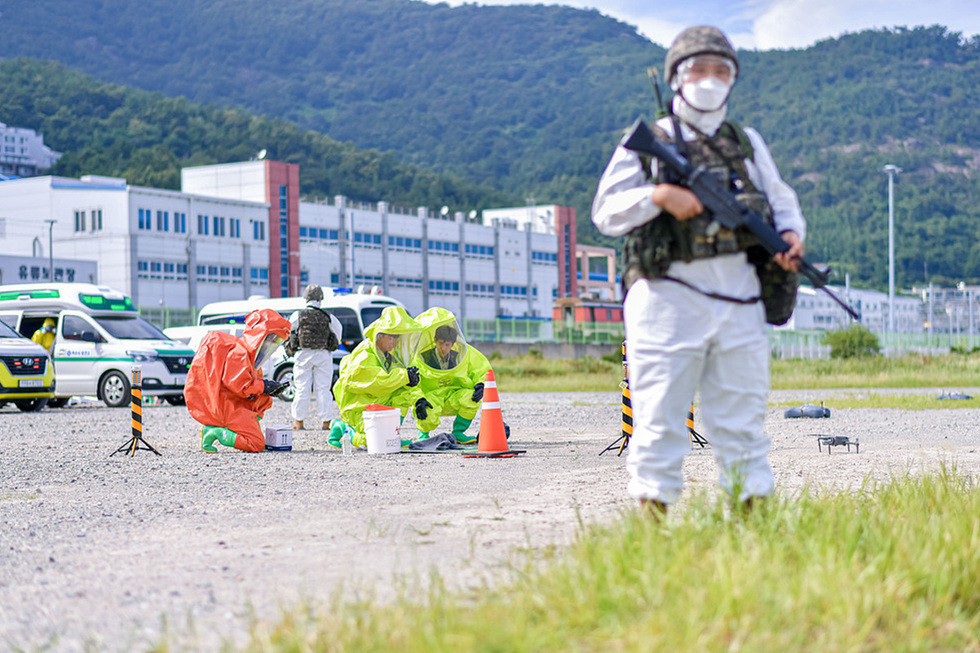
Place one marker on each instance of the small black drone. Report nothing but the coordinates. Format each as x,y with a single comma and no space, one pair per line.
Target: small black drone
837,441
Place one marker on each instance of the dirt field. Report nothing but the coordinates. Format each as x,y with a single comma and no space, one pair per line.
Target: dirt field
109,553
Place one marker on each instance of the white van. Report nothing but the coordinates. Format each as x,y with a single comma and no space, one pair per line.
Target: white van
99,337
355,310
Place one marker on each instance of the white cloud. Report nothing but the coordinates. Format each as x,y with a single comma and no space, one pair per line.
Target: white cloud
769,24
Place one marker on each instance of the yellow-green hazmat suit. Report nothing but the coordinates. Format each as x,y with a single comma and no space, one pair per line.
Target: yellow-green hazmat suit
449,375
369,375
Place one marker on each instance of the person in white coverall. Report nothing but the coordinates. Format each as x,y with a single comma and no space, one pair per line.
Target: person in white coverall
693,313
315,334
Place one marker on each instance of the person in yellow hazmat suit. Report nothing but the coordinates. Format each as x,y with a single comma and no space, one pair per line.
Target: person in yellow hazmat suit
379,371
45,335
452,373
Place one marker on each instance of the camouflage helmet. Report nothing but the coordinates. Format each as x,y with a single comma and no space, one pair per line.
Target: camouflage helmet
703,39
313,293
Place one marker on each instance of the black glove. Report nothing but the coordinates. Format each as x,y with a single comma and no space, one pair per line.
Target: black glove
413,377
273,388
477,392
421,408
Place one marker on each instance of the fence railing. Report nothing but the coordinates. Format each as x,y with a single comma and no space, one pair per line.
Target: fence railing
165,317
784,344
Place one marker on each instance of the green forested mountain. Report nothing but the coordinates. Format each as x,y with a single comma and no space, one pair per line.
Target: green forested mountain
147,138
530,100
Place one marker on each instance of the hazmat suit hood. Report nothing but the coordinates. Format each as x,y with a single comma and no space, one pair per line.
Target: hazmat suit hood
438,323
265,330
395,321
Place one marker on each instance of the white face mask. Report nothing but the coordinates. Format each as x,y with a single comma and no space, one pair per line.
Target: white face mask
706,95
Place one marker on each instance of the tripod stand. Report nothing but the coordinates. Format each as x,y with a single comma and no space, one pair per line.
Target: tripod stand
623,441
134,442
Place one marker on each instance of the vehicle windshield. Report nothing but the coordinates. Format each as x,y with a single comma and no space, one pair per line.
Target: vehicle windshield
223,319
130,328
7,332
371,313
351,333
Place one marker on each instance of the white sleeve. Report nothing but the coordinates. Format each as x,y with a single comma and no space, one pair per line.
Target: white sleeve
623,200
294,318
336,326
786,212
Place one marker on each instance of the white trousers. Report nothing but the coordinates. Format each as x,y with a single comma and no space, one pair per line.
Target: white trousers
678,340
312,373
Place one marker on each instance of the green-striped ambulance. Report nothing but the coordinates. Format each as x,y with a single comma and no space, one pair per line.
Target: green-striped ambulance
99,337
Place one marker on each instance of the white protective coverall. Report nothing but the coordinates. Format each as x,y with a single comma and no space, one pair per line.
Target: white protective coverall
313,373
678,339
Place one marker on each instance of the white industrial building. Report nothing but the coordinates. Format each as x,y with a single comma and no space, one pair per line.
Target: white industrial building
23,152
815,310
239,229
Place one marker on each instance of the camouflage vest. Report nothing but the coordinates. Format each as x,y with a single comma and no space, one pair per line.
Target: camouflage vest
651,247
313,330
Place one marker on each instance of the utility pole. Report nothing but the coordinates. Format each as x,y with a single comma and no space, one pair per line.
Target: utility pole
891,170
50,249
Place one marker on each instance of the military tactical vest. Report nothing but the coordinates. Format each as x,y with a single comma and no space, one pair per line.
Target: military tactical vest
651,247
313,330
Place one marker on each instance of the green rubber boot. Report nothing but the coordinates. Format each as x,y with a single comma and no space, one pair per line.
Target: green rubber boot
208,439
460,424
336,434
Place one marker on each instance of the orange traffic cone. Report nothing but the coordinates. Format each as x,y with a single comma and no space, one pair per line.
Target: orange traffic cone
493,439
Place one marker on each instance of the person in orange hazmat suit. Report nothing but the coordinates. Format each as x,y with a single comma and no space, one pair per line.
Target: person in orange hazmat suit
225,390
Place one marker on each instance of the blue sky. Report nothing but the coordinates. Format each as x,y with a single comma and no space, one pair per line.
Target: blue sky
771,24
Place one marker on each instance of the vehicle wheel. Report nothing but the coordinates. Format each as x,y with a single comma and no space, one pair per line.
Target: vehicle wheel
31,405
58,402
283,375
114,389
176,400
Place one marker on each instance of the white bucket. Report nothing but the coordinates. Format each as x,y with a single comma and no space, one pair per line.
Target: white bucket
381,430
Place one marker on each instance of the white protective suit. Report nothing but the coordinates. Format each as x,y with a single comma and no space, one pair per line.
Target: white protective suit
678,339
313,374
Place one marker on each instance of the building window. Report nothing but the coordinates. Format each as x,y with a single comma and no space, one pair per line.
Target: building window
144,219
96,219
219,226
235,227
180,223
142,269
80,220
258,231
163,220
202,224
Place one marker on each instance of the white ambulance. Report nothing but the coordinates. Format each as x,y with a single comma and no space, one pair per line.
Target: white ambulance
355,310
99,337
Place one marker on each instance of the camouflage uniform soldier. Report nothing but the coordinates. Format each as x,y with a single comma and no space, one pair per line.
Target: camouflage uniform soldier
314,336
693,313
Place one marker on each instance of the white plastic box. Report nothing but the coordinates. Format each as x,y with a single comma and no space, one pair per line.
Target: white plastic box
279,437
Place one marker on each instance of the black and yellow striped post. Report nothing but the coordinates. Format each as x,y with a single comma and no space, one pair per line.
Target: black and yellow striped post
696,438
623,440
136,405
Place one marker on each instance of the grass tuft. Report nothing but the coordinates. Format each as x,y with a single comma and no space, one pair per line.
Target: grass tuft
892,566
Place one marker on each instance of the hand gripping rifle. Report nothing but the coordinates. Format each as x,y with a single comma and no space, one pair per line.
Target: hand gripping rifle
722,204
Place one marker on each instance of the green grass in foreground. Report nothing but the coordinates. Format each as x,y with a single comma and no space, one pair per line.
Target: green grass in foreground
887,568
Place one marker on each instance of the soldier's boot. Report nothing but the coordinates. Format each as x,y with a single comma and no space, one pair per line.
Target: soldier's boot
460,424
654,508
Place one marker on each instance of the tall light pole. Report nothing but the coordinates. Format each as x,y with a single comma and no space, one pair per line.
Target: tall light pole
891,170
50,249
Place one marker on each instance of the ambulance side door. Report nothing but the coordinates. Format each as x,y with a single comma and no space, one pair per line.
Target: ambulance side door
76,356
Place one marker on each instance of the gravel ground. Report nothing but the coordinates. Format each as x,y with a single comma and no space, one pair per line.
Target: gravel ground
113,553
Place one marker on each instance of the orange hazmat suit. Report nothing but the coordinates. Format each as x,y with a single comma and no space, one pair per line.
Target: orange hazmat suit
224,387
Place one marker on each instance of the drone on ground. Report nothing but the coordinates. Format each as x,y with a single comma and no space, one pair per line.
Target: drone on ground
837,441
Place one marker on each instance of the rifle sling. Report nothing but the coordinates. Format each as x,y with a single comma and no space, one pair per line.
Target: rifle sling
714,295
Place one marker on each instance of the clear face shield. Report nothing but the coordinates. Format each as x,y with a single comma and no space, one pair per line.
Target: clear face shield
269,345
705,81
443,347
400,348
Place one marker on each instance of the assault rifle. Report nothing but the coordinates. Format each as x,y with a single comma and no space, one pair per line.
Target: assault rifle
722,203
